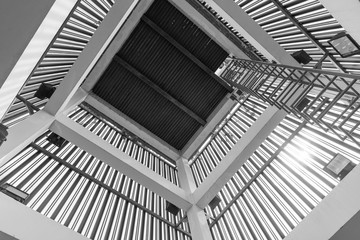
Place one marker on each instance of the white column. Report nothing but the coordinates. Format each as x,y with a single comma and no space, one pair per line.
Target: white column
196,216
119,160
27,28
216,116
185,176
23,223
24,133
342,203
198,224
90,55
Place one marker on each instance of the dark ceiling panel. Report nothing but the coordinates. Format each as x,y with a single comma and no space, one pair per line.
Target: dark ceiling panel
127,93
4,236
171,70
178,26
149,59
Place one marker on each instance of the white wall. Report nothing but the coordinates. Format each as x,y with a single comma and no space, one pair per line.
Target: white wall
347,13
27,28
19,20
350,231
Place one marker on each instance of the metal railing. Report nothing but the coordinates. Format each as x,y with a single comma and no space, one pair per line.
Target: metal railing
124,140
79,191
307,93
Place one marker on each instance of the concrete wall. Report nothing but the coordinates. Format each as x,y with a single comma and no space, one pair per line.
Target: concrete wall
4,236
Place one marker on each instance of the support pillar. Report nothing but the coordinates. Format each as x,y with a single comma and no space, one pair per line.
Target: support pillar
196,216
198,224
79,97
185,176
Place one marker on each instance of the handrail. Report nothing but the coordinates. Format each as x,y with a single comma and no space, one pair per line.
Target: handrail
339,74
310,94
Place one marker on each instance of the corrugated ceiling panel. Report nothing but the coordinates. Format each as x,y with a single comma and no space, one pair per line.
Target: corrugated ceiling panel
191,37
172,71
246,46
124,91
162,62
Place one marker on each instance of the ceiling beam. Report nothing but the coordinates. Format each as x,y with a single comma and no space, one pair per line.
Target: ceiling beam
114,157
101,115
102,37
220,112
115,45
185,52
196,217
132,126
288,14
158,89
192,12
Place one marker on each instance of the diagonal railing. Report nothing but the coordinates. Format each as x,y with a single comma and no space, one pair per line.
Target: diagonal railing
307,93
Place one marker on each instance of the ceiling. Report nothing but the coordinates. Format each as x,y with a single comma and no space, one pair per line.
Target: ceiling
163,76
